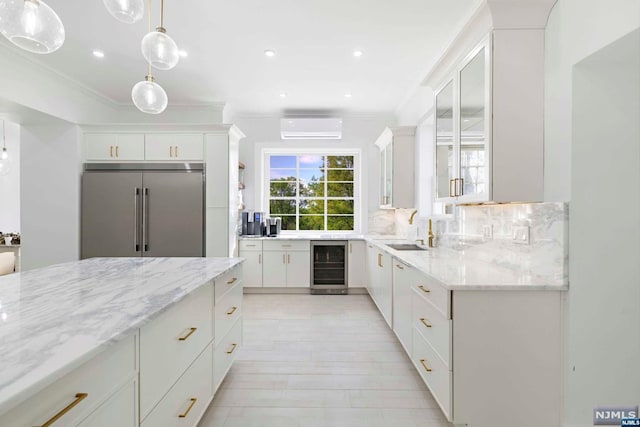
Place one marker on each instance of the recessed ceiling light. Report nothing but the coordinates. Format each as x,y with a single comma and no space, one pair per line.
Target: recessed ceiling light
357,53
183,54
347,95
98,53
270,52
283,95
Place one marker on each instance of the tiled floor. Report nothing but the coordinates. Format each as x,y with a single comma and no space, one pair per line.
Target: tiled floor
315,361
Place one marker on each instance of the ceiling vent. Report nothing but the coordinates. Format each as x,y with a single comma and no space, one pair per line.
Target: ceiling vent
311,128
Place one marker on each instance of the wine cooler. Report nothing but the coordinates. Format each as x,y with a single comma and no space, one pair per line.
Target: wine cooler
329,267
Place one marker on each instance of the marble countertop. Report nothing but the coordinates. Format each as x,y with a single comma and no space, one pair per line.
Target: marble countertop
455,270
56,318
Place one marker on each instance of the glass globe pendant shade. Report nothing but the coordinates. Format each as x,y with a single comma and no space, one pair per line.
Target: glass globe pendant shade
5,164
160,50
127,11
149,96
31,25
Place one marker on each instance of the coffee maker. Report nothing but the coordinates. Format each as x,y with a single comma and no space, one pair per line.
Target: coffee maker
253,223
273,226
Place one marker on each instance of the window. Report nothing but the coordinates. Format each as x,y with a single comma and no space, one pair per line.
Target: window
312,192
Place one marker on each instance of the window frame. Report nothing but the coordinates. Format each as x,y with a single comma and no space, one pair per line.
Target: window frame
357,184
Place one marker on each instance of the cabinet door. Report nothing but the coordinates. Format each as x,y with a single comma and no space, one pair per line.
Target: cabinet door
384,285
119,410
371,261
114,146
473,156
274,269
356,264
298,269
176,147
252,268
402,294
445,168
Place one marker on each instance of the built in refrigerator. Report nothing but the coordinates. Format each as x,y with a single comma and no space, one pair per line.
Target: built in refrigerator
142,210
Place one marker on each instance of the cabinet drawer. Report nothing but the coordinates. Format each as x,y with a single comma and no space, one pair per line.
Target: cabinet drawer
435,293
174,147
227,348
250,245
119,410
286,245
170,343
433,325
433,371
99,378
228,309
226,282
187,400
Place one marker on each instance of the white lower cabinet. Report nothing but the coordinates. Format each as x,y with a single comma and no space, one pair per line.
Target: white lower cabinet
251,251
119,410
287,263
187,400
226,350
433,371
403,280
356,264
380,279
80,393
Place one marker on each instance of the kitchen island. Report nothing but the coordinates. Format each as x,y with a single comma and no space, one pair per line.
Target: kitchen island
157,314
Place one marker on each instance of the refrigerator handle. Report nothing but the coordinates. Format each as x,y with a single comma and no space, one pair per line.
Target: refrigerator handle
145,220
136,219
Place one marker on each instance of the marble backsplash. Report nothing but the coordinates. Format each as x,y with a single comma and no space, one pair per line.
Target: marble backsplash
545,256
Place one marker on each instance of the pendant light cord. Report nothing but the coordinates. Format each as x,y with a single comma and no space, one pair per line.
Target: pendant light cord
149,14
162,13
4,140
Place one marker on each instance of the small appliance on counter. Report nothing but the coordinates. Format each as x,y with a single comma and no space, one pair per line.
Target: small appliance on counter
253,223
273,226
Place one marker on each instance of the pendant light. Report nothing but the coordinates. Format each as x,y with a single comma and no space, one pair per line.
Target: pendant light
127,11
31,25
5,164
158,48
147,95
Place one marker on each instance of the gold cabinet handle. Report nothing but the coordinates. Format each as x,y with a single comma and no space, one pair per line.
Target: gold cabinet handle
400,267
233,348
452,192
285,246
379,260
259,258
425,322
185,413
423,289
79,398
176,150
117,151
424,364
232,281
170,151
288,258
111,151
191,331
230,312
250,246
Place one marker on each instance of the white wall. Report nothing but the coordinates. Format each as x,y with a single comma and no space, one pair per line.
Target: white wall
603,330
10,183
576,29
50,194
358,133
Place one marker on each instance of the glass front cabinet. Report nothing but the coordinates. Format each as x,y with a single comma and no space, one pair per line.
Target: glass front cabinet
462,150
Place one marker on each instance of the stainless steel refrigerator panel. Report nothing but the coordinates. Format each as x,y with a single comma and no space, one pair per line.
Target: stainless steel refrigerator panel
173,219
111,209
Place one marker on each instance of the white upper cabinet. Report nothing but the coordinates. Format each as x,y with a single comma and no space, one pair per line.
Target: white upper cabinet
489,122
397,167
166,146
114,146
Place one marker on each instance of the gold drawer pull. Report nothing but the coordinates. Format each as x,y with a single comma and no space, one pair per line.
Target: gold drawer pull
425,322
233,348
286,246
191,331
193,402
423,289
79,398
232,281
111,151
400,267
424,364
379,260
230,312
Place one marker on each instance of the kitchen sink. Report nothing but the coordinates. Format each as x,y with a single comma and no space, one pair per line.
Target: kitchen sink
406,247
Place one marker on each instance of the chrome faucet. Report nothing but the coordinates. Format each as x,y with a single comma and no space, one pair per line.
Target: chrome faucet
412,215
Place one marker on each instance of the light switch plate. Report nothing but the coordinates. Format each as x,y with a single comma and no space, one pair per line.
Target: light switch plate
521,235
487,232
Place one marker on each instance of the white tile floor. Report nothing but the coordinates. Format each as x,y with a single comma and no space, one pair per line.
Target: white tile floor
316,360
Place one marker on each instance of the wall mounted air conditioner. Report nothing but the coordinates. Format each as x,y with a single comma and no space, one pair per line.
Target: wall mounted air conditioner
311,128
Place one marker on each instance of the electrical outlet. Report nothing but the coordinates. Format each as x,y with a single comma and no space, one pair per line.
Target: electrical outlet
487,232
521,234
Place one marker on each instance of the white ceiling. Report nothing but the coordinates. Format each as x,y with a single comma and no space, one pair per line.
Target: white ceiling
225,40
